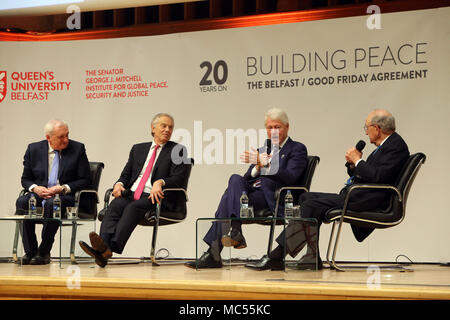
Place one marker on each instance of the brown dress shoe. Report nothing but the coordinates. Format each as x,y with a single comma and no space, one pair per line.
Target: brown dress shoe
237,241
99,259
99,245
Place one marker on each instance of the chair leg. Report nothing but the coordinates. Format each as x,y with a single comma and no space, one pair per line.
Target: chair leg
272,232
155,234
329,243
72,242
16,240
152,252
333,259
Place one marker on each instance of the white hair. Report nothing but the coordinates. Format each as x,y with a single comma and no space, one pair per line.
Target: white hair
52,124
276,114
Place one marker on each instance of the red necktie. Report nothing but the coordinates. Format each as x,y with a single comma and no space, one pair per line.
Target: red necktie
148,170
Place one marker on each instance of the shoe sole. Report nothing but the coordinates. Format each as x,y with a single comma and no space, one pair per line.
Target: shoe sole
86,249
229,242
194,266
99,245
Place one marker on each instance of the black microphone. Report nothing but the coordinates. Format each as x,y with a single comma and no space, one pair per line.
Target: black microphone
126,193
269,146
359,146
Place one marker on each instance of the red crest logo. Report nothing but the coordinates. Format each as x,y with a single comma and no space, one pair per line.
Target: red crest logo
2,85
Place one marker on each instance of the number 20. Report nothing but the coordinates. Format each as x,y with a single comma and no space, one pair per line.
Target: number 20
219,64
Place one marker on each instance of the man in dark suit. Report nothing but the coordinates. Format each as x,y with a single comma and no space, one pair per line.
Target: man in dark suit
151,167
382,166
284,165
53,166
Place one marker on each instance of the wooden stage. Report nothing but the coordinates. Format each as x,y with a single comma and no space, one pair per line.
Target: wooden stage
175,281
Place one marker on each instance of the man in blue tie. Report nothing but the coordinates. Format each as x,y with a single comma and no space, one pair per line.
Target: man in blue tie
56,165
382,166
283,165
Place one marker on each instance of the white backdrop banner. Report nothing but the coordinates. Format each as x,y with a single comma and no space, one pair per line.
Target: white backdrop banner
327,75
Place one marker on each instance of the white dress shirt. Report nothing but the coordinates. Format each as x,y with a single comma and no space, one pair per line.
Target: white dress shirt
148,184
51,157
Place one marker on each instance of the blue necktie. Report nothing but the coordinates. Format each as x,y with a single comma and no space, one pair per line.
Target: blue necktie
53,176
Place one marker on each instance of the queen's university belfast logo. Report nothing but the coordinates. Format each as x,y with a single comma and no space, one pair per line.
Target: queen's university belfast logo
2,85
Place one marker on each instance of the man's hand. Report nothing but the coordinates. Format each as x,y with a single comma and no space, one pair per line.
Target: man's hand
117,191
43,192
55,190
256,158
352,155
156,194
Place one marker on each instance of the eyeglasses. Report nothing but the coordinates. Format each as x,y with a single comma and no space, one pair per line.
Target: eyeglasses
366,127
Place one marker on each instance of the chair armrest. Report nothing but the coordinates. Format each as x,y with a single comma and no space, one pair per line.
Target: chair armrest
372,186
366,186
108,194
177,190
158,206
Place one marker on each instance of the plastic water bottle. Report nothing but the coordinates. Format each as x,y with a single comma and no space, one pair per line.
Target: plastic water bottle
244,205
57,207
288,205
32,206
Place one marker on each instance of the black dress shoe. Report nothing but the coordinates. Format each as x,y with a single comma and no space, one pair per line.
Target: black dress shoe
308,262
237,241
40,259
205,261
100,260
27,258
265,264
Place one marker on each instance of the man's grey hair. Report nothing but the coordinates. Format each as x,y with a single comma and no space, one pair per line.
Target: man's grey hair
384,120
156,118
276,114
52,124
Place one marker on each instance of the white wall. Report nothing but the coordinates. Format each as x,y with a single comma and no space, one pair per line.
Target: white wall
328,119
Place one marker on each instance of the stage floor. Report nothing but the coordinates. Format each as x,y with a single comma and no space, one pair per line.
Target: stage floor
175,281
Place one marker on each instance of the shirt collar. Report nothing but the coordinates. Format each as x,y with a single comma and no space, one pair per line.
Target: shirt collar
154,145
384,140
284,142
50,149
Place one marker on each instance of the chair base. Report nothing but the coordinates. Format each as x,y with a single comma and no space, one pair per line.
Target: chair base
362,266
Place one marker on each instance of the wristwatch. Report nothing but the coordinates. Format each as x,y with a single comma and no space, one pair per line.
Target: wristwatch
64,189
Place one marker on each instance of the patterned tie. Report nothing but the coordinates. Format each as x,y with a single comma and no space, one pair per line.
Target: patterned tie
148,170
53,176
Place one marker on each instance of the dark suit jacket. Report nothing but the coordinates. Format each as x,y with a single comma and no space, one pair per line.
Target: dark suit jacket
73,166
171,166
382,166
292,162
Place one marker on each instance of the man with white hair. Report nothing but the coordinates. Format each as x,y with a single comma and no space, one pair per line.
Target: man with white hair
56,165
270,170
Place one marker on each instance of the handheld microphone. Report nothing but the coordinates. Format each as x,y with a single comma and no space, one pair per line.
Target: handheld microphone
269,146
359,146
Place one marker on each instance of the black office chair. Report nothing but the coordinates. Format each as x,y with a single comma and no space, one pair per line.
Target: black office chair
161,216
388,218
303,185
86,202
